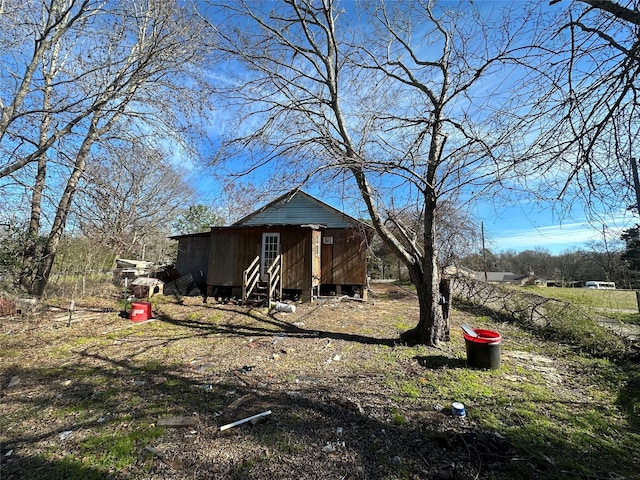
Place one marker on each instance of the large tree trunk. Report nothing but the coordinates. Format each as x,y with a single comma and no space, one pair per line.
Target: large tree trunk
42,264
32,251
432,327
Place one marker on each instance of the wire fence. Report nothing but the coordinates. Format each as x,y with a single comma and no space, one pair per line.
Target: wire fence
82,284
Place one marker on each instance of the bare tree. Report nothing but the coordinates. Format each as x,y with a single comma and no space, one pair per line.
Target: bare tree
628,13
587,117
127,196
78,69
237,200
196,219
407,97
457,233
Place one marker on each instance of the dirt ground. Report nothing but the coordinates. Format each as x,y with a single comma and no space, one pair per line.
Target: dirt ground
341,394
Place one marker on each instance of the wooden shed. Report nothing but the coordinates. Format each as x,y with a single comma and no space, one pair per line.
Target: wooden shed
296,245
318,249
193,257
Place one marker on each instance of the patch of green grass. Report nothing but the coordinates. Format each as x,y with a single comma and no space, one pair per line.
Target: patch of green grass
410,389
390,356
402,325
18,416
567,323
397,417
244,468
61,352
582,425
173,350
9,352
399,321
153,365
632,318
582,331
464,385
533,389
564,437
116,450
282,440
622,299
84,341
565,446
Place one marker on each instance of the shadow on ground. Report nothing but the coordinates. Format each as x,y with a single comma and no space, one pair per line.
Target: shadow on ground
321,426
272,326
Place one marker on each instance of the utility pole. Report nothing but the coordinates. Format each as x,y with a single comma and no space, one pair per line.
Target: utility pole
484,251
636,182
636,187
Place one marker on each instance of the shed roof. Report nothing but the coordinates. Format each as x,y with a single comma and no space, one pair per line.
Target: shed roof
191,235
299,208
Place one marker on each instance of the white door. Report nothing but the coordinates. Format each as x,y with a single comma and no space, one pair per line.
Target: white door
270,250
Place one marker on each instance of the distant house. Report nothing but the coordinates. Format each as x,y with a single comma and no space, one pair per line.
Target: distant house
296,245
508,277
497,277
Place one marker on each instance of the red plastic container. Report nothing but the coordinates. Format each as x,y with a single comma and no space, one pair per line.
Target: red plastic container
484,336
140,311
483,351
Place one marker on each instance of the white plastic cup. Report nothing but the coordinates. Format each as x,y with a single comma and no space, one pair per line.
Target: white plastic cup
457,409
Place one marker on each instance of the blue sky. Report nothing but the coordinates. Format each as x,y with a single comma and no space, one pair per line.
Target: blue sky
517,231
525,226
518,227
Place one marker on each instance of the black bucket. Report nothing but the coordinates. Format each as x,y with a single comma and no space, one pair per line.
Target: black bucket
483,350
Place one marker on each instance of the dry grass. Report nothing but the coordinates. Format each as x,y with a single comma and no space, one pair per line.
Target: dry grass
347,402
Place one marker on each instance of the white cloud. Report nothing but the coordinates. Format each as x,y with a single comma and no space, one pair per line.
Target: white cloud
555,238
550,237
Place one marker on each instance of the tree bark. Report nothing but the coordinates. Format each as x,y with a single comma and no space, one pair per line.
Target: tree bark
624,13
40,278
432,327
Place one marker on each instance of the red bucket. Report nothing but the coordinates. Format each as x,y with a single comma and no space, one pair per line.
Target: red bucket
140,311
484,336
483,351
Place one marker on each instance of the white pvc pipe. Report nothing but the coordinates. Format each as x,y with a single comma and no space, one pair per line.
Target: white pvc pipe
244,420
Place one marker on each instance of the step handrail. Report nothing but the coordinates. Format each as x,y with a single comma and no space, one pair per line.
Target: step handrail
250,279
274,279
